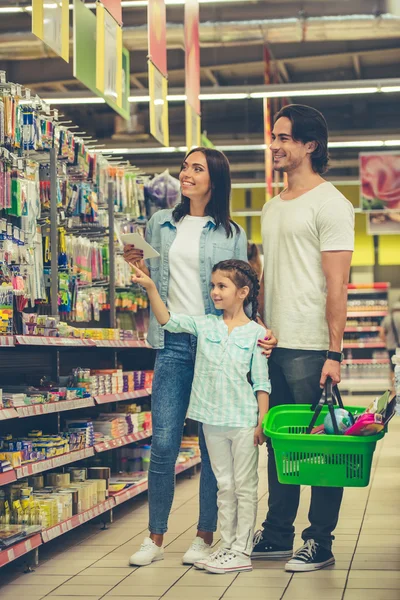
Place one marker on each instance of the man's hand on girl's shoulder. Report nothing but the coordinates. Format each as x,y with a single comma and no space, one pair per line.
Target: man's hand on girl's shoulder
268,343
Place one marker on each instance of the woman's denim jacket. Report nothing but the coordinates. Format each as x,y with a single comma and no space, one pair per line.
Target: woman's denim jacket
214,247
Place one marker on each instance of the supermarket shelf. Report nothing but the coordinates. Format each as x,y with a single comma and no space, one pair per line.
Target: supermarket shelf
367,313
8,413
364,345
105,399
366,291
53,407
8,477
364,329
122,441
366,361
31,340
141,487
121,344
25,546
365,385
362,287
53,532
53,463
36,340
131,492
19,549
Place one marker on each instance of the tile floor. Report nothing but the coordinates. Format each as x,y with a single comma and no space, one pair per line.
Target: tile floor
89,564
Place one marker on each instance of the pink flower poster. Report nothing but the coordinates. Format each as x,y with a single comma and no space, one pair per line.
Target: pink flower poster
380,181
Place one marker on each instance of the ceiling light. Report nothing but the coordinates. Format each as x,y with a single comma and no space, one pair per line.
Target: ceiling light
314,92
158,150
11,9
139,99
177,98
223,96
241,147
91,100
392,142
390,88
357,144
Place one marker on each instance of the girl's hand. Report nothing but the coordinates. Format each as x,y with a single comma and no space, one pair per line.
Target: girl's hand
133,256
259,437
141,278
268,343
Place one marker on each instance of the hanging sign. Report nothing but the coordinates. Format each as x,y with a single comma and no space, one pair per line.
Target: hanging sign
108,55
50,23
114,8
192,74
158,75
267,127
114,79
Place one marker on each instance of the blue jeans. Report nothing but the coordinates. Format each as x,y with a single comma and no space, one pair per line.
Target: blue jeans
173,376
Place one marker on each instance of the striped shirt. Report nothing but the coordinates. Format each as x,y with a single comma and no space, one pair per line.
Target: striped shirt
221,394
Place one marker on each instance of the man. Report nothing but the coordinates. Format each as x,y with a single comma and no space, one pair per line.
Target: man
308,239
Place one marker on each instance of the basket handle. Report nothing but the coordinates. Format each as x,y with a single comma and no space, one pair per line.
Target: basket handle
328,396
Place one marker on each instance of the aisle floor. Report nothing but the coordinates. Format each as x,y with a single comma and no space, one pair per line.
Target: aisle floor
89,564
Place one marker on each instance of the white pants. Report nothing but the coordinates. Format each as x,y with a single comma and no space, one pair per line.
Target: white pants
234,460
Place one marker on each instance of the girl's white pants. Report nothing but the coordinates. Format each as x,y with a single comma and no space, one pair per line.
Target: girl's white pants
234,460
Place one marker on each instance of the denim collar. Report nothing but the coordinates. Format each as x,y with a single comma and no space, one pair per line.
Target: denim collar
168,218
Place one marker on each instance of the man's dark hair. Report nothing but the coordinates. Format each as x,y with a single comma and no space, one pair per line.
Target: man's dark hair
309,125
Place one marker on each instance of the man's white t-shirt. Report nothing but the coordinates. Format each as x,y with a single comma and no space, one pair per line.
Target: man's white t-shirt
184,291
294,233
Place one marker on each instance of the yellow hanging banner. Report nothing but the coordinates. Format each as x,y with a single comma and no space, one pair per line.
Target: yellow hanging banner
193,127
50,23
158,89
108,55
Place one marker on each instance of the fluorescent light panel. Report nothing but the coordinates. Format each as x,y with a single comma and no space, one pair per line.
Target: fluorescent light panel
247,147
316,92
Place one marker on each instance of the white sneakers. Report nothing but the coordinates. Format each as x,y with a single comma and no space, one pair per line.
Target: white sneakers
225,561
199,554
198,551
148,552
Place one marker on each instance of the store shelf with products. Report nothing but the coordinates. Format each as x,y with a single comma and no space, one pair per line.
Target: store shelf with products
366,364
107,398
99,508
8,555
122,441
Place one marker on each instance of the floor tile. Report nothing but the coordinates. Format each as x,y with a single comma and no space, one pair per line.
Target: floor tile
138,590
78,590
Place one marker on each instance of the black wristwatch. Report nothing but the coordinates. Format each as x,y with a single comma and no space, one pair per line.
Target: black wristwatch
337,356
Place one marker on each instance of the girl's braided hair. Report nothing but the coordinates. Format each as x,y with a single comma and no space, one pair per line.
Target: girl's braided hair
242,274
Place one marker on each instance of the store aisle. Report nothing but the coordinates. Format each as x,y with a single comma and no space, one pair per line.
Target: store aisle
91,564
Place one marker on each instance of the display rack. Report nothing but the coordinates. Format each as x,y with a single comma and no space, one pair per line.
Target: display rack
366,364
47,535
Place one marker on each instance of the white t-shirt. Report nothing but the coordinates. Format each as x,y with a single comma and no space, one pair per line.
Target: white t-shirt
294,233
184,291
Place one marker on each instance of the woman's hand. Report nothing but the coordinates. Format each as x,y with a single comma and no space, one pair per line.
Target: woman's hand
268,343
259,437
134,256
141,278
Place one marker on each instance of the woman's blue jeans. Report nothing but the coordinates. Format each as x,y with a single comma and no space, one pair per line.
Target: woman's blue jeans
173,376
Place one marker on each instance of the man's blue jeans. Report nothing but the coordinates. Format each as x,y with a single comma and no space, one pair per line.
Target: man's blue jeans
173,376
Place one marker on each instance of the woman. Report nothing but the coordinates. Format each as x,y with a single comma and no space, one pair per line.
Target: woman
190,238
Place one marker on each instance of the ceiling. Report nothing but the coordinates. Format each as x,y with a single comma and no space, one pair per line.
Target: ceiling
310,41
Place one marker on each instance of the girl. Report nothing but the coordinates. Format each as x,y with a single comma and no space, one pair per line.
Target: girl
222,399
191,238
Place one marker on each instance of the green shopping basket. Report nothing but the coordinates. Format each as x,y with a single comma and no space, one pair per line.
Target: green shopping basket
319,460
